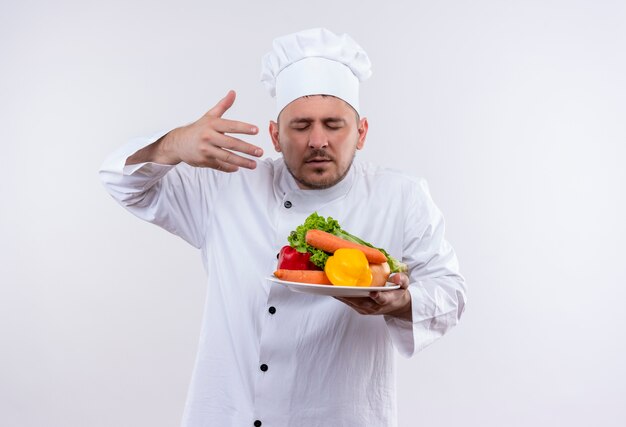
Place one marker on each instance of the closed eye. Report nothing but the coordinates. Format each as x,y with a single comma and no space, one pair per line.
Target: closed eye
299,124
334,124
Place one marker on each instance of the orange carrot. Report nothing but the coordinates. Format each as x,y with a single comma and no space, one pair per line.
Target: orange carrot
316,277
330,243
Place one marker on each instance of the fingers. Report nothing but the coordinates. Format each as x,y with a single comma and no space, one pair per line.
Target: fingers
204,143
380,298
223,166
378,302
218,146
228,157
360,305
223,105
401,279
229,126
235,144
221,159
223,148
234,126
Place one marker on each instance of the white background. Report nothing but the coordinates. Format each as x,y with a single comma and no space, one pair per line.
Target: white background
513,111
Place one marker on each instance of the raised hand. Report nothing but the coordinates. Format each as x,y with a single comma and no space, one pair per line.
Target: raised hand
205,143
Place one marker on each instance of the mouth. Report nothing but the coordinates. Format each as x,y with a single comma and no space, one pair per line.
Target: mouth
318,160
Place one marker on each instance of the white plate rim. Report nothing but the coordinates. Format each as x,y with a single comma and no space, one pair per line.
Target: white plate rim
361,289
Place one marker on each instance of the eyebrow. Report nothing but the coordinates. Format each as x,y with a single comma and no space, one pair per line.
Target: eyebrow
298,120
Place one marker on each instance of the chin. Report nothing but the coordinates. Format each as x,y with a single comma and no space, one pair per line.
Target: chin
318,182
318,178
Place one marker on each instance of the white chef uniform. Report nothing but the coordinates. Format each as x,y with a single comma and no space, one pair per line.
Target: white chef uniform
276,357
268,356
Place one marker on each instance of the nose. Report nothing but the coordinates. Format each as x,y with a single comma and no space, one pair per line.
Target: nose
318,137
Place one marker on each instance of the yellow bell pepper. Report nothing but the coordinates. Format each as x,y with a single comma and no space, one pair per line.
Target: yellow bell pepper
348,267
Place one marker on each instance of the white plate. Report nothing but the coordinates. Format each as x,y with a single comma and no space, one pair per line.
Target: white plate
333,291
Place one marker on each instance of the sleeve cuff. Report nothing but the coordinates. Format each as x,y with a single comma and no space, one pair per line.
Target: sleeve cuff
401,330
115,163
429,321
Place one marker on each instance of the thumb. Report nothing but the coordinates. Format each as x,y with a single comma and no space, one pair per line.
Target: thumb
399,279
223,105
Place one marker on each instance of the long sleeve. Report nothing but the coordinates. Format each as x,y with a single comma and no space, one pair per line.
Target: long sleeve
176,198
438,291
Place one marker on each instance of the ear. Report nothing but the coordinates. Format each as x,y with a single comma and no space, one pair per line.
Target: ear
274,135
363,126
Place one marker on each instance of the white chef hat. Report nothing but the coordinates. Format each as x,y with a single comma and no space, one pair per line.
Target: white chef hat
314,62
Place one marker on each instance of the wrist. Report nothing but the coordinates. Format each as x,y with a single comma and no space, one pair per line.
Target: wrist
166,149
405,312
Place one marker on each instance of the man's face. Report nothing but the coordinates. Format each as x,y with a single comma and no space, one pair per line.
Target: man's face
318,136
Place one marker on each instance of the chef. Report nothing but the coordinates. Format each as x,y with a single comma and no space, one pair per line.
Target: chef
268,356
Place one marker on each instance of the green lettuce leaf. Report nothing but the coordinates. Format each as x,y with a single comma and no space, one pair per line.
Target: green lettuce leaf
297,240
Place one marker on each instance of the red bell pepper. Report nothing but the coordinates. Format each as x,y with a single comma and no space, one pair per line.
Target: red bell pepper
291,259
